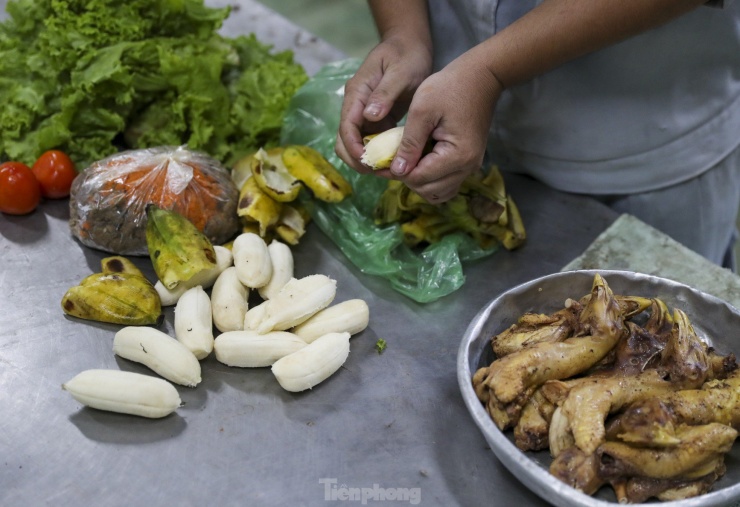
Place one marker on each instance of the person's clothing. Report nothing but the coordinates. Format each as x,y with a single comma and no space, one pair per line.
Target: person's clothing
647,114
699,213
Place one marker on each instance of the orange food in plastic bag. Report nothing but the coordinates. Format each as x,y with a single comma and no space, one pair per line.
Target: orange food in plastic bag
108,200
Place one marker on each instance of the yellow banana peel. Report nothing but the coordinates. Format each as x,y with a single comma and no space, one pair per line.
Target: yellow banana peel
256,206
119,295
177,249
482,209
273,177
316,173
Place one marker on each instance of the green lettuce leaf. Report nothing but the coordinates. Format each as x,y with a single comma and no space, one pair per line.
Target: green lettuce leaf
91,77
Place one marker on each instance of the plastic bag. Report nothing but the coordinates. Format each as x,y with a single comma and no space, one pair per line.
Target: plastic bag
108,199
312,118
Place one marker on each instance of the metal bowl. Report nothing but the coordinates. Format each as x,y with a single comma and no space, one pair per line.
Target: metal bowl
716,321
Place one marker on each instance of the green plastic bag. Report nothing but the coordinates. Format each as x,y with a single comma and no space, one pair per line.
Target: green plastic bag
425,275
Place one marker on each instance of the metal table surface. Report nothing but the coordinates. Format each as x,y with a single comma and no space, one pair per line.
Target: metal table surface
392,423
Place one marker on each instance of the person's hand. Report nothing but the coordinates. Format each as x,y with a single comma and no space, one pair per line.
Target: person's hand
378,95
455,108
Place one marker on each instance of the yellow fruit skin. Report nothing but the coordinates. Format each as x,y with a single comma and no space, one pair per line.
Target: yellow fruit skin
482,209
292,224
119,264
256,206
316,173
117,298
269,167
177,248
242,170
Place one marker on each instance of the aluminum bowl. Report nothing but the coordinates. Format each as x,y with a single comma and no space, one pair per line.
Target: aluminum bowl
714,320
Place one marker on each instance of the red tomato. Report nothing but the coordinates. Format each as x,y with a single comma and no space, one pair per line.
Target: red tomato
19,190
55,172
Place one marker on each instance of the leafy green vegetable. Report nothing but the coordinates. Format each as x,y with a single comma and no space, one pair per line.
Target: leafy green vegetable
93,76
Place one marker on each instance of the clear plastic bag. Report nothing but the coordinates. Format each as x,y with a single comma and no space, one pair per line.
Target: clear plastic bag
108,199
424,276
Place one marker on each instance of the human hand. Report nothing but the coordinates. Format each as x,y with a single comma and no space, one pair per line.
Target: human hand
378,95
455,108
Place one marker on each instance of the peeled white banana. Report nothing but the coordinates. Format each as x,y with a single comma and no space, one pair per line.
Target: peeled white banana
351,316
229,301
297,301
381,148
248,349
159,352
254,316
205,279
194,322
312,364
252,260
124,392
281,258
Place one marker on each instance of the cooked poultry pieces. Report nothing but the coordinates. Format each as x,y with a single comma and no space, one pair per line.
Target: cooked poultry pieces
622,390
696,455
654,419
511,379
634,471
589,404
534,328
532,430
683,364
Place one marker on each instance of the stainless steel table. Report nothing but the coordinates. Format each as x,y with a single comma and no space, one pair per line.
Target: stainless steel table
392,423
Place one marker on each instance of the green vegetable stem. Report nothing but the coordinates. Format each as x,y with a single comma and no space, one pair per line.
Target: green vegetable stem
380,345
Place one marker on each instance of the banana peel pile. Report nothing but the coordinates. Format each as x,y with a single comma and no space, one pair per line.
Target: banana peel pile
481,209
270,182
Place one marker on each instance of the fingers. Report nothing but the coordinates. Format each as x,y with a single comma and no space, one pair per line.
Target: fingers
370,96
349,138
343,153
385,95
379,93
419,126
434,180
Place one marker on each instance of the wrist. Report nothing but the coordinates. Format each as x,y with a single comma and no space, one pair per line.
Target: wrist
403,20
477,62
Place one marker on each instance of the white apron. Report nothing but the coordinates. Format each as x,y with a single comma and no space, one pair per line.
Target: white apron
647,114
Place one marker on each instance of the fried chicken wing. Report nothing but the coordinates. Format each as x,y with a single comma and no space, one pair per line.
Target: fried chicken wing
511,375
649,422
641,489
535,328
532,430
698,450
684,363
588,404
653,421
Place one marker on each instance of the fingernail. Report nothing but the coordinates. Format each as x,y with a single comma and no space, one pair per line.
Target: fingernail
398,166
373,109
